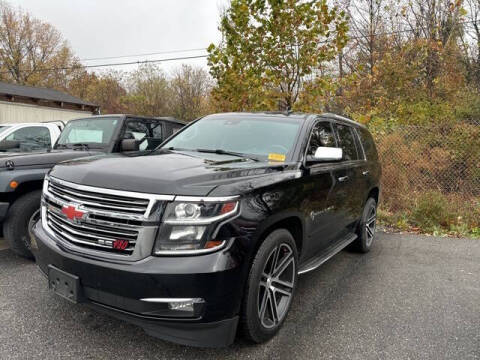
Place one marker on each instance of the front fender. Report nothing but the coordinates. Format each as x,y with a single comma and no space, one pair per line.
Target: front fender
20,176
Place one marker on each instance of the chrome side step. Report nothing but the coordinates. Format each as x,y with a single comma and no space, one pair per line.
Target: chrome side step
315,263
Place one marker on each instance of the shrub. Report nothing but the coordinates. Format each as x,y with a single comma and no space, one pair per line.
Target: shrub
431,211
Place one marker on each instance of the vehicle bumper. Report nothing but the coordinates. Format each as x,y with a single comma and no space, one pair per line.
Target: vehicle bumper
3,210
117,289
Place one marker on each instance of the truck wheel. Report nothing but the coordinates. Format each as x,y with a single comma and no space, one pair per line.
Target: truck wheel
270,287
366,228
16,225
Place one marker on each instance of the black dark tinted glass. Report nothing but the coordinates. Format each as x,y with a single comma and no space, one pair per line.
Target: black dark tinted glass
347,142
368,144
147,133
322,135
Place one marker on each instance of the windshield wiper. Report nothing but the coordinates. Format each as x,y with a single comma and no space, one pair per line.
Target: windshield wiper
82,145
177,149
226,152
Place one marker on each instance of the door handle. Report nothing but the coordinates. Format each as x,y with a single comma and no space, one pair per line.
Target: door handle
366,172
343,178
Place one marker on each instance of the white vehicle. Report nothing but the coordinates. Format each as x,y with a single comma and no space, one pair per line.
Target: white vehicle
26,137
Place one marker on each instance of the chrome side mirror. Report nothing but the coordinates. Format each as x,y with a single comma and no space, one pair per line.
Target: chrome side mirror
324,153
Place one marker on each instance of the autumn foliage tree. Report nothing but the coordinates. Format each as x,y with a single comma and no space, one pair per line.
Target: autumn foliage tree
189,92
148,92
30,49
269,48
104,89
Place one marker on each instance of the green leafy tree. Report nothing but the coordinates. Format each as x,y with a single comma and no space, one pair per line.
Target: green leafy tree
269,49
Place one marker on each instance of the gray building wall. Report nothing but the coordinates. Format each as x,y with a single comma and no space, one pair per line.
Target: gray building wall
12,112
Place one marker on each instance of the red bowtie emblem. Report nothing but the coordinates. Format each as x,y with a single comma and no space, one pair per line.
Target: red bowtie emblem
72,213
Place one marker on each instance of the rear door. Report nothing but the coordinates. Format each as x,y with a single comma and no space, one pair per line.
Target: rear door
348,176
370,170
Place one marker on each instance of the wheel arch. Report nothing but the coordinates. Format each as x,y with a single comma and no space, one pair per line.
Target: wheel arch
374,193
288,221
28,186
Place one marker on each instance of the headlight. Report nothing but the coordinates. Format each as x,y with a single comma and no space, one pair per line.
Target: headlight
192,225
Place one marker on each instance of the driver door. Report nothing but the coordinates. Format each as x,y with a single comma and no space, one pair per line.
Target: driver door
323,194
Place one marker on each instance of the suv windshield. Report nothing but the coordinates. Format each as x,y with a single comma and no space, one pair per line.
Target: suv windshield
271,138
91,132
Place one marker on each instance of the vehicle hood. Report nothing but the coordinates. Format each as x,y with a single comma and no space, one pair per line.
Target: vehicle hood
42,159
173,173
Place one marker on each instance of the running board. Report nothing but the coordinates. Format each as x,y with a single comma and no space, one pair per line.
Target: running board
315,263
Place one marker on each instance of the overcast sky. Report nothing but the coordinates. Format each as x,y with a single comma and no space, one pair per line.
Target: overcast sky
107,28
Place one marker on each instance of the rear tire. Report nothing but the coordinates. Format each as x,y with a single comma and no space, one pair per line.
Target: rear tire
16,224
366,228
270,287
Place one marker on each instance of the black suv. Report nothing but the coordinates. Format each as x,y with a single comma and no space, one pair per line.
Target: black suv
208,232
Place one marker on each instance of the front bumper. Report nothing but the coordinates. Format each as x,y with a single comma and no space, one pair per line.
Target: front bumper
117,289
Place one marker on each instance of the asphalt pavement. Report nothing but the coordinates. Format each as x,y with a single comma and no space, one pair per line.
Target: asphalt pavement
411,297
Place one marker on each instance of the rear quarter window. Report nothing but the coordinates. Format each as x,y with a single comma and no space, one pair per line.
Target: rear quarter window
368,144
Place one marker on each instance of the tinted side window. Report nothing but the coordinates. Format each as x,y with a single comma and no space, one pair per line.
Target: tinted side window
139,131
346,142
157,132
368,144
147,133
322,135
32,137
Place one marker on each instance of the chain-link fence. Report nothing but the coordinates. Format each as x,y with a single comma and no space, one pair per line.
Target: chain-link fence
431,176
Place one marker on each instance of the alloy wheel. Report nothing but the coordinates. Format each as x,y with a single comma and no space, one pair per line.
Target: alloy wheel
370,225
276,286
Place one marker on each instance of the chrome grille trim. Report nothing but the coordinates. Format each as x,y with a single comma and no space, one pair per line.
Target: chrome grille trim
72,239
73,228
98,229
77,200
135,196
110,199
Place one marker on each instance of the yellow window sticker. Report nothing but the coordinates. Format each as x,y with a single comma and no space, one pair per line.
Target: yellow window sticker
276,157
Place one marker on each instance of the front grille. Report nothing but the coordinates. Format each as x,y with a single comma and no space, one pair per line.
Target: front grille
98,219
98,201
90,234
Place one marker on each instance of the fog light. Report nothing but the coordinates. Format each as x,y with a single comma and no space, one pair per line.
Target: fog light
188,306
182,306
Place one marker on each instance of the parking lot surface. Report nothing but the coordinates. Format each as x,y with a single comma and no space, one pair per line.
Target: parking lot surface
411,297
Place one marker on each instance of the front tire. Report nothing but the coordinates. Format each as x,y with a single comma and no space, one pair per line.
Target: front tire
16,225
270,287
